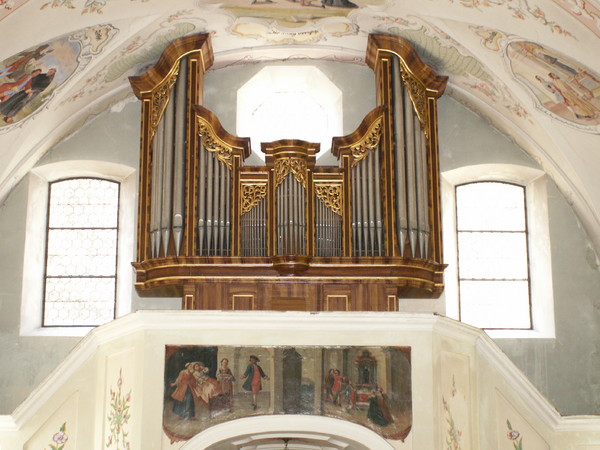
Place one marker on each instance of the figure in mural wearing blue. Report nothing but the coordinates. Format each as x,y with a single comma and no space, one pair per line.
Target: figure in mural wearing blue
253,376
11,107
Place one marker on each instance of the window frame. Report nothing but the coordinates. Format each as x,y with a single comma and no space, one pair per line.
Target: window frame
538,242
47,243
34,261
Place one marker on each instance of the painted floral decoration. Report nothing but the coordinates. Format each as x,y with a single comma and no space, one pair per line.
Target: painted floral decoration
119,416
60,438
514,436
453,434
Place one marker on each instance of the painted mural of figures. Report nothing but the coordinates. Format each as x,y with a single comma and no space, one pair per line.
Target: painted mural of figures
11,106
206,387
336,388
185,393
574,101
253,376
329,379
10,88
350,395
378,412
226,379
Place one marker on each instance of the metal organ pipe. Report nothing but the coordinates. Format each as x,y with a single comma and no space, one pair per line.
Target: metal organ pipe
411,194
156,189
399,150
179,158
167,173
201,197
421,171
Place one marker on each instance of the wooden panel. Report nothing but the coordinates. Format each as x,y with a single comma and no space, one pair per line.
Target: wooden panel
242,302
288,304
337,303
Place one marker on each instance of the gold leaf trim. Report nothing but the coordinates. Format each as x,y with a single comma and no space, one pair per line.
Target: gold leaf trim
368,142
212,143
416,91
160,98
252,194
331,196
297,166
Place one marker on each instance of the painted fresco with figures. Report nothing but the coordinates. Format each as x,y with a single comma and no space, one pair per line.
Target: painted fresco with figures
207,385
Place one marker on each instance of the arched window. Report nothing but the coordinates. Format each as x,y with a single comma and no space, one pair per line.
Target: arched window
81,252
497,247
79,243
493,261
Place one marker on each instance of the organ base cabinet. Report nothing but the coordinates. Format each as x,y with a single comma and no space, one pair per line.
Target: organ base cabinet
291,295
292,234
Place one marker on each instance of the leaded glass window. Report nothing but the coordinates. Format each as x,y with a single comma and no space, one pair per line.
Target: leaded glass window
81,252
493,267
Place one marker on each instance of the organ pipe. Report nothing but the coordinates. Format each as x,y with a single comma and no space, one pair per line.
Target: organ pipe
379,207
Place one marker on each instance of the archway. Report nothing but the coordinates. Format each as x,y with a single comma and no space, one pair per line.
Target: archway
288,431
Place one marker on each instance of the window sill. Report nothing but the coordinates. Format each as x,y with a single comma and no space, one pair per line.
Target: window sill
58,331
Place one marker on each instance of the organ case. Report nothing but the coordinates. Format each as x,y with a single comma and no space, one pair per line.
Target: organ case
290,234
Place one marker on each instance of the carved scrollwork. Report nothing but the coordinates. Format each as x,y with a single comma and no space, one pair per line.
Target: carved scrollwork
331,196
160,98
371,140
297,166
251,195
213,144
419,99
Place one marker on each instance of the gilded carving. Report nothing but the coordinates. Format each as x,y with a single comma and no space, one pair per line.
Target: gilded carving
331,196
297,166
368,142
160,98
252,194
213,144
419,99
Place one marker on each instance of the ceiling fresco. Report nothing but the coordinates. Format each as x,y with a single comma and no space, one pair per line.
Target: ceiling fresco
562,86
29,79
525,66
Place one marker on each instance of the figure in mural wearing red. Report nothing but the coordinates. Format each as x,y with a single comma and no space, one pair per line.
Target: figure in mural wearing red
226,379
253,376
185,393
329,380
336,388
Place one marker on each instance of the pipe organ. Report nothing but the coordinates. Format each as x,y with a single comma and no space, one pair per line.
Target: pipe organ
290,235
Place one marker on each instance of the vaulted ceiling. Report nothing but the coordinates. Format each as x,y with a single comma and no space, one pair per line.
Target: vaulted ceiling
531,68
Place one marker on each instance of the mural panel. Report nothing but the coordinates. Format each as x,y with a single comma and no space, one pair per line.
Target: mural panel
563,87
207,385
28,79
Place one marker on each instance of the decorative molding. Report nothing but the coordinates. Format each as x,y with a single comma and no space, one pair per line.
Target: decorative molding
331,196
160,98
251,195
297,166
371,139
212,143
416,92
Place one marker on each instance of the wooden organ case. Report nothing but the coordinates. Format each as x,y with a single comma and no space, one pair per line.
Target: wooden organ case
290,235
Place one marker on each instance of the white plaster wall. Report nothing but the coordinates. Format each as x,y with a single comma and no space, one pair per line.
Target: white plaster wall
564,369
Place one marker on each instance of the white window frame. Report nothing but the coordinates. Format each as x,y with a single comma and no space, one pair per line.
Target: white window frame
34,261
540,262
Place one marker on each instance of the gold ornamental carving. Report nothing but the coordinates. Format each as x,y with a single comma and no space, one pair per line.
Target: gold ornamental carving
160,98
418,97
371,140
251,195
213,144
331,196
297,166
